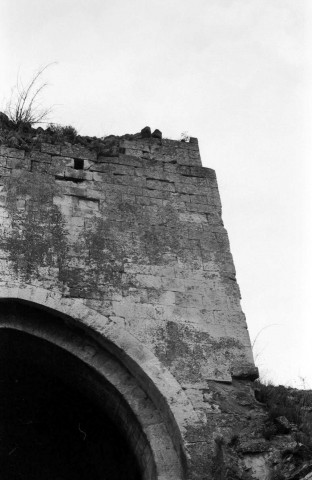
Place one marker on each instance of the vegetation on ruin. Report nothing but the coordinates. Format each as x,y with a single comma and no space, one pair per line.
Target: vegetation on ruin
289,413
24,107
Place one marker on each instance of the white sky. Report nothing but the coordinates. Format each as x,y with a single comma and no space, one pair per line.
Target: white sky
234,73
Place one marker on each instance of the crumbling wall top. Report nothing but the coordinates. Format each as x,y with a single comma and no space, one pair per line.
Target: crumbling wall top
65,141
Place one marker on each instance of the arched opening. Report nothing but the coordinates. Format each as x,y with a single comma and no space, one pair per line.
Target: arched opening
70,410
52,429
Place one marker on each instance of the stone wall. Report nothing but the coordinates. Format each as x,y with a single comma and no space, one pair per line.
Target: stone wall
133,230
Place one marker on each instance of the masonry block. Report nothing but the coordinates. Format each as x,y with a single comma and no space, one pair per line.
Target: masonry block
134,232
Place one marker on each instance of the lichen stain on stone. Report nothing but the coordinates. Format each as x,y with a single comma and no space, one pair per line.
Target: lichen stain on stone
37,237
154,231
106,251
104,263
156,238
125,233
183,349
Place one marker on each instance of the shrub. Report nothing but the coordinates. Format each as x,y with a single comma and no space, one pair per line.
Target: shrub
282,401
23,108
295,405
61,132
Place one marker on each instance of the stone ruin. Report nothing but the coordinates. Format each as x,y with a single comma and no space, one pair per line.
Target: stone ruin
124,349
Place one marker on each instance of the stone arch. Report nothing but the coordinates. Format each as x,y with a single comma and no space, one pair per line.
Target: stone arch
78,423
99,335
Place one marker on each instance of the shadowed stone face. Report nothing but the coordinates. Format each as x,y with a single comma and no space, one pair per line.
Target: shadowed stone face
49,428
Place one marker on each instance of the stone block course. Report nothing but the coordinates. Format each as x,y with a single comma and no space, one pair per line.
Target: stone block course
52,149
160,185
40,157
137,236
11,152
17,163
79,152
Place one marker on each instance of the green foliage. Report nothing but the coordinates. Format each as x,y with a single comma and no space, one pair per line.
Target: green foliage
61,132
283,401
295,405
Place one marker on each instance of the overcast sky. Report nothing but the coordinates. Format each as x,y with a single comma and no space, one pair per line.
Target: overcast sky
235,74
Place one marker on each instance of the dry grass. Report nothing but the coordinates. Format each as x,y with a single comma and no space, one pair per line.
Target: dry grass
24,108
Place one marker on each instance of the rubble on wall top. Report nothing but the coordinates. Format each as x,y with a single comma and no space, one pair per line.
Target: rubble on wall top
28,138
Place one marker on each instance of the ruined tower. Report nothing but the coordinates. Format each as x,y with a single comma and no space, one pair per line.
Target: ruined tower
117,283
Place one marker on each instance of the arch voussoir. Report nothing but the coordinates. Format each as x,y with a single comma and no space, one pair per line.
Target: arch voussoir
160,385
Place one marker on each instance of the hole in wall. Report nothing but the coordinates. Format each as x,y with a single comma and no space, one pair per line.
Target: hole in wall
78,164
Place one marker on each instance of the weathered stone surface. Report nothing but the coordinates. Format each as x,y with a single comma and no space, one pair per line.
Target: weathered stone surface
11,152
157,133
283,424
254,446
132,245
52,149
146,132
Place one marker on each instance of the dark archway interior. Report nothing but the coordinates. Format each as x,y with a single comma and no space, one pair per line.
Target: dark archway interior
50,430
